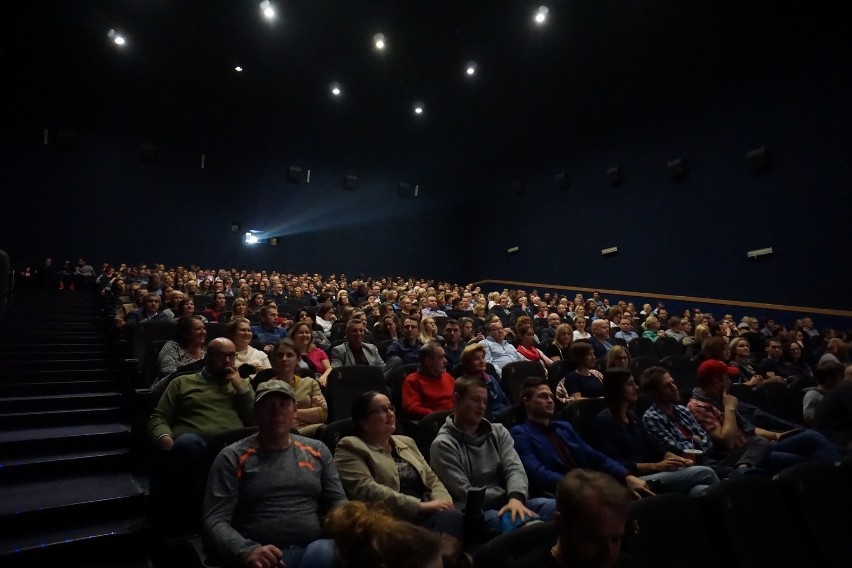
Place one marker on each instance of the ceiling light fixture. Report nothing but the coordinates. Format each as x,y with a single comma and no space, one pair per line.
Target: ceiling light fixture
418,108
267,9
541,15
334,87
379,41
470,68
238,69
116,37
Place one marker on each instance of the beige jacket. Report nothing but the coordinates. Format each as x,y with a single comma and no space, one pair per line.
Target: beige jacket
369,474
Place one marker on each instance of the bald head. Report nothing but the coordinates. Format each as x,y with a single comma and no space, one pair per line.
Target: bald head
221,355
600,328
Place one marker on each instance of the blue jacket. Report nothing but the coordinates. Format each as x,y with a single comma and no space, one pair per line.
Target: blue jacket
543,463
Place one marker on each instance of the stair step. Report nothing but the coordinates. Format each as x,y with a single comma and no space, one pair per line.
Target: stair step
54,364
68,347
55,387
24,420
40,354
58,375
81,436
60,464
59,402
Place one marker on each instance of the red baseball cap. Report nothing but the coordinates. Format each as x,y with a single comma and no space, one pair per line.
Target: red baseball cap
713,368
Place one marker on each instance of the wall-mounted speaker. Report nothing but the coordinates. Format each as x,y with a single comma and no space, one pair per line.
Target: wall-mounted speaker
757,160
615,176
350,182
677,169
294,174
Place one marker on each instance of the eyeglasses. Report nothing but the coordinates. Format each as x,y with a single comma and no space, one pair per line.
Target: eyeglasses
383,409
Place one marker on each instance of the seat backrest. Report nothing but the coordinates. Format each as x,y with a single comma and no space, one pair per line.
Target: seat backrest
668,530
336,431
428,428
503,550
148,331
750,525
667,346
682,369
641,347
346,383
820,497
215,330
511,416
514,374
581,414
394,383
149,362
782,401
639,364
338,331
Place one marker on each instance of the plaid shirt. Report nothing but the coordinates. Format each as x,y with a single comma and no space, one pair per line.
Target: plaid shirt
710,414
664,430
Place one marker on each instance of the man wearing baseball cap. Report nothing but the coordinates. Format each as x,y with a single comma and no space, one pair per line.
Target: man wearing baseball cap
716,411
267,493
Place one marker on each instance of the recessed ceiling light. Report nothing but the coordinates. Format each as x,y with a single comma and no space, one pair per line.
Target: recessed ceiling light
541,15
238,69
267,9
470,68
379,41
334,87
418,108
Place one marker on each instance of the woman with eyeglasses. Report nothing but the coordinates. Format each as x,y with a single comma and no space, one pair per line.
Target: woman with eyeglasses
618,356
376,466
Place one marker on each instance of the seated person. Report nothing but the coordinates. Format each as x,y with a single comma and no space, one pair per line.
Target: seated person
600,338
558,348
239,331
833,416
376,466
551,448
741,352
405,351
652,329
267,493
498,351
311,406
268,332
187,346
314,360
429,388
186,307
216,310
796,364
829,375
623,438
772,366
585,381
626,331
193,409
354,351
453,344
470,452
591,516
716,411
150,311
527,348
474,365
367,537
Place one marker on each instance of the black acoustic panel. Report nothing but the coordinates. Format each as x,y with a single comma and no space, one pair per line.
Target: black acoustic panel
149,153
63,140
350,182
236,226
294,174
758,160
677,169
405,190
615,176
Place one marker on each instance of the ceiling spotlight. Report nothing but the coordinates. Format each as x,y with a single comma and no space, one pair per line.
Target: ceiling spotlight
418,108
379,41
470,68
540,15
250,239
334,87
116,37
238,69
267,9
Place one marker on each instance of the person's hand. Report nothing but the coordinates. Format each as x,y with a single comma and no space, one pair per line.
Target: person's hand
268,348
661,333
729,401
517,509
697,441
672,462
430,507
267,556
637,486
232,375
166,443
322,380
754,381
317,401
